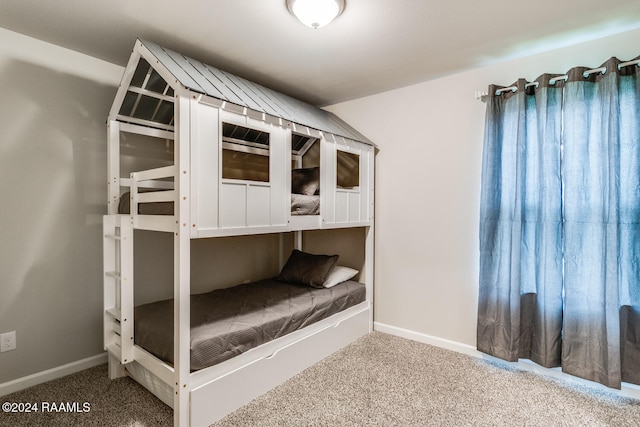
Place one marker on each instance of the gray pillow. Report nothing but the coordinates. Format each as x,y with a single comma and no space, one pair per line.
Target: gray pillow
305,181
307,269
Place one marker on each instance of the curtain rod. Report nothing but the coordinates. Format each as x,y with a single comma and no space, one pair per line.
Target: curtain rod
481,94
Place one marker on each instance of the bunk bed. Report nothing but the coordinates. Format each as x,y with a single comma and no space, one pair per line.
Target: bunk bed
242,160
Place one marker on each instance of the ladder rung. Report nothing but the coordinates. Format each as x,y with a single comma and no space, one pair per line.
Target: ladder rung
113,274
113,312
115,327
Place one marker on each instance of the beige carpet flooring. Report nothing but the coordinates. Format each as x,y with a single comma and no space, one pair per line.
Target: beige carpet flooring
380,380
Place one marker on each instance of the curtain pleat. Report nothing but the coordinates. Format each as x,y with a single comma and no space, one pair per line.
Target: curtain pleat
590,169
520,311
560,225
629,208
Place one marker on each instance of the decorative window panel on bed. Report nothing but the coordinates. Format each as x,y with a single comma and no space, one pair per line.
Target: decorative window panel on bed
348,180
245,153
242,172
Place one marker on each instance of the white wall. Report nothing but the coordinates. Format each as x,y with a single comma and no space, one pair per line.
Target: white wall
53,106
53,109
428,186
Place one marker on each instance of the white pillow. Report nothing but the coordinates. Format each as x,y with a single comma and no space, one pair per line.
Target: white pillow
338,275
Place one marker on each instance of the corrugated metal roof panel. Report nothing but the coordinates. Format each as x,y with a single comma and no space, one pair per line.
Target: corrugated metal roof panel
205,78
250,93
211,81
225,86
173,67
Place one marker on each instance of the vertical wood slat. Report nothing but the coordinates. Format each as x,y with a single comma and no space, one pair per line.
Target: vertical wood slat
182,266
113,166
126,290
109,265
369,257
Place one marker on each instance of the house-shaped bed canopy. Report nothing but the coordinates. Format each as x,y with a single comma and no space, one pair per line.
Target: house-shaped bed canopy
159,84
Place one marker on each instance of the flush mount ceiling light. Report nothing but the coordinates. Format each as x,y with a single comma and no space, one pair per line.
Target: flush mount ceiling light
316,13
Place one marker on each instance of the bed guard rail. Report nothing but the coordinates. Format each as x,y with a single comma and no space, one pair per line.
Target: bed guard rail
163,191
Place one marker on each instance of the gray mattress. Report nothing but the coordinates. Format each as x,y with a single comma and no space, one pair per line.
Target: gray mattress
228,322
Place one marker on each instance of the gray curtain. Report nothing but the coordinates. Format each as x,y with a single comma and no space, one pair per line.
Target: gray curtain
560,224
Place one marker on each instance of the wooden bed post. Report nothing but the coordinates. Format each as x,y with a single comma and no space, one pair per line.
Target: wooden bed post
297,244
113,166
369,270
182,263
369,257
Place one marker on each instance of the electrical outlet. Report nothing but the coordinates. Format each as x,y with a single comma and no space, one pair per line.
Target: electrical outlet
7,341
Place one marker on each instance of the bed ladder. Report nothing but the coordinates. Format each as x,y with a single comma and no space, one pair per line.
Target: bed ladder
118,291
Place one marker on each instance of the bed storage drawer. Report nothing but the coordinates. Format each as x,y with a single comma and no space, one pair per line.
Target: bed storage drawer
230,391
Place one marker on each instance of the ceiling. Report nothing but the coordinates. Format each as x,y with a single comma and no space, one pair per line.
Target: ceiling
374,46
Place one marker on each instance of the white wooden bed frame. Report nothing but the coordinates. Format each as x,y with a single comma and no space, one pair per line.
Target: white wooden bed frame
202,397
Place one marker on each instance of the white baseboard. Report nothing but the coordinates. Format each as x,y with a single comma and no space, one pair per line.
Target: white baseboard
52,374
427,339
627,390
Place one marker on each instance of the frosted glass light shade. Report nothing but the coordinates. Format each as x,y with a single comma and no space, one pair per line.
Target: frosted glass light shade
315,13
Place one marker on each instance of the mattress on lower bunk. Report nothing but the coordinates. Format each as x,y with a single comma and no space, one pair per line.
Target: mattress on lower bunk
228,322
